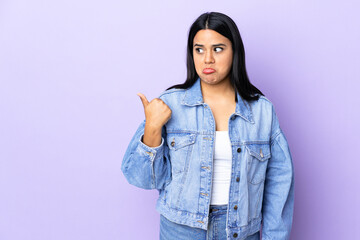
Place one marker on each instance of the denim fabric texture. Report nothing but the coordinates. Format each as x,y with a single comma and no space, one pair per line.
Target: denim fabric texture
261,191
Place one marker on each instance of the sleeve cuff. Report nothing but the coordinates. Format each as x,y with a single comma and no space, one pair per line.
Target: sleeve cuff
150,150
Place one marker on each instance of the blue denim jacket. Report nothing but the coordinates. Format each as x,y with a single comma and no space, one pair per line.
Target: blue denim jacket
180,168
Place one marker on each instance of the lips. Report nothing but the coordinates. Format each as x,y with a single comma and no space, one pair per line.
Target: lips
208,70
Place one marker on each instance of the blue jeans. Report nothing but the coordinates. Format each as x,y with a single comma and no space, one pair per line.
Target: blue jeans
216,229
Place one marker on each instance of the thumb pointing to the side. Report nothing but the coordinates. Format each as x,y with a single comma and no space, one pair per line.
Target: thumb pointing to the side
144,100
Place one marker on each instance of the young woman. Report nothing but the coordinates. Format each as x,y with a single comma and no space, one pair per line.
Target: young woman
213,147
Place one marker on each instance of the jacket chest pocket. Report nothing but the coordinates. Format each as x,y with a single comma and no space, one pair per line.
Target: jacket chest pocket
257,160
180,149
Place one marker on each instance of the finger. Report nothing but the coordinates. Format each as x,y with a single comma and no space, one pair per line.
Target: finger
144,100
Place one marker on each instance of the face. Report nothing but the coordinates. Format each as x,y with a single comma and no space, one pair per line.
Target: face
212,50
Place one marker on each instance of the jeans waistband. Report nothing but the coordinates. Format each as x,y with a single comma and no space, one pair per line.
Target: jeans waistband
216,208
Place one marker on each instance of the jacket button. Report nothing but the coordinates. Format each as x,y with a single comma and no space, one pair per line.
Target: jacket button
235,207
235,235
239,150
237,179
172,143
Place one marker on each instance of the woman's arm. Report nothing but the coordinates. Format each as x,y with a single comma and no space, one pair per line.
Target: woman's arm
278,202
146,167
146,164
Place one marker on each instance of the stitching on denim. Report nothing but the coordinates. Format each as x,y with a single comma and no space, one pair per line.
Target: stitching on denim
181,131
177,210
261,190
272,138
183,179
280,144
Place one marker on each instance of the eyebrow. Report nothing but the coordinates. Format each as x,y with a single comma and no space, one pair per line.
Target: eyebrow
214,45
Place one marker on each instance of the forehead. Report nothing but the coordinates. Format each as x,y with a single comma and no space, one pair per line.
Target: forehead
208,36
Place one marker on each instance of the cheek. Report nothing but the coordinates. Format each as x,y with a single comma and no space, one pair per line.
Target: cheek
197,62
227,61
196,57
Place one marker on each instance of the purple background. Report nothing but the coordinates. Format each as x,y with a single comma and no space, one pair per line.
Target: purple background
70,71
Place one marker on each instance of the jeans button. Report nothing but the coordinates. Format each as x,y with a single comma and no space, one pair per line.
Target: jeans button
235,235
239,150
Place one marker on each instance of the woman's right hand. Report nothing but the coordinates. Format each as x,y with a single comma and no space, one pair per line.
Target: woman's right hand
157,113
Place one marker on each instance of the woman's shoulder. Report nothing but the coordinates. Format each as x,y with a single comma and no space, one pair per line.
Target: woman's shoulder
265,100
262,108
172,91
172,95
261,102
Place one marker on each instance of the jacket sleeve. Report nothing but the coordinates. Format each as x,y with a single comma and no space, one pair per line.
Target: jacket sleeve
278,201
146,167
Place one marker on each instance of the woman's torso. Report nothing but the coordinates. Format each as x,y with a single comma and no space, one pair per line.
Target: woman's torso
189,145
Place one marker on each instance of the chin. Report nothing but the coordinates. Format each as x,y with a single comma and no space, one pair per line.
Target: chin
210,80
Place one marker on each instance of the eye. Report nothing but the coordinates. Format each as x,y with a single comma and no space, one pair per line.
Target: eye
219,48
196,49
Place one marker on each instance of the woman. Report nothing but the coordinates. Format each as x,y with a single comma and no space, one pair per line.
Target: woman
213,147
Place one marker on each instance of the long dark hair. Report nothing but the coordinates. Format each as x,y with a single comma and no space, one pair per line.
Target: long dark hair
225,26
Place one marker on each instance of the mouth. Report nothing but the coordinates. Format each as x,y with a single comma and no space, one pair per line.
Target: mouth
208,70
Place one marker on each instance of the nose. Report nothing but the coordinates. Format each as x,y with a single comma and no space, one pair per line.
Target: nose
209,57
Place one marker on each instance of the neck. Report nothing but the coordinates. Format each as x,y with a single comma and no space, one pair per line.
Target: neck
219,90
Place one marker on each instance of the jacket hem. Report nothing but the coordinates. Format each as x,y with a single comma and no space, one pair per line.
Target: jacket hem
201,221
245,231
182,217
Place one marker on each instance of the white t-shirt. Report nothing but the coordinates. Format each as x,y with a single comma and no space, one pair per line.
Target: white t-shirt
222,169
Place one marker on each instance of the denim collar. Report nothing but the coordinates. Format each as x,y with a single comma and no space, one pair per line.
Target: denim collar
193,96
